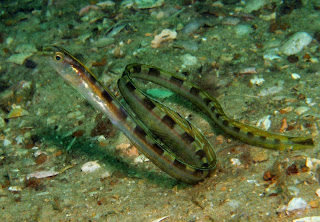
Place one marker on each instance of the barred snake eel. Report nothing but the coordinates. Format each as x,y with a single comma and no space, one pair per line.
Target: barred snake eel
170,141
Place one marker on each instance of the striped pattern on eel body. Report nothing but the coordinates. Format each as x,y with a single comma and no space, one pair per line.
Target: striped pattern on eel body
169,140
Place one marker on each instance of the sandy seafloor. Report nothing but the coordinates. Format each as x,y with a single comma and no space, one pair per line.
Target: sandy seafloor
47,126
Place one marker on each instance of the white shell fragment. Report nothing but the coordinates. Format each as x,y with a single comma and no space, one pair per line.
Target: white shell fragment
17,111
20,139
230,21
6,142
309,101
15,188
296,43
271,54
312,163
308,219
160,219
318,192
243,30
103,42
296,204
301,109
295,76
141,159
42,174
264,122
257,81
90,166
235,161
248,70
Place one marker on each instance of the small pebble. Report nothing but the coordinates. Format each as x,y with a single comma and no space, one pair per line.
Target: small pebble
189,60
294,191
254,182
140,159
253,5
230,21
318,192
106,174
145,4
295,76
42,158
227,57
243,30
90,166
271,54
268,175
74,114
106,4
179,27
301,109
308,219
314,60
192,27
264,122
9,40
312,163
292,169
248,70
103,42
219,139
6,142
287,109
281,208
17,111
309,101
19,139
15,188
296,43
42,174
297,203
314,204
123,146
260,156
257,81
235,161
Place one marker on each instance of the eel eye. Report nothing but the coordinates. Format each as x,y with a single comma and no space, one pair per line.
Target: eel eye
58,56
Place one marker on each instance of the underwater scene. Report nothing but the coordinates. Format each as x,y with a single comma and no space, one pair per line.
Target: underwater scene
160,110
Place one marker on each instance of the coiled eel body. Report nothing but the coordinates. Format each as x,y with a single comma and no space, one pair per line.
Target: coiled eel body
170,141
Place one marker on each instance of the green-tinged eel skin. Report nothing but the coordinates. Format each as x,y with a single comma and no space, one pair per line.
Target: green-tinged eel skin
170,141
